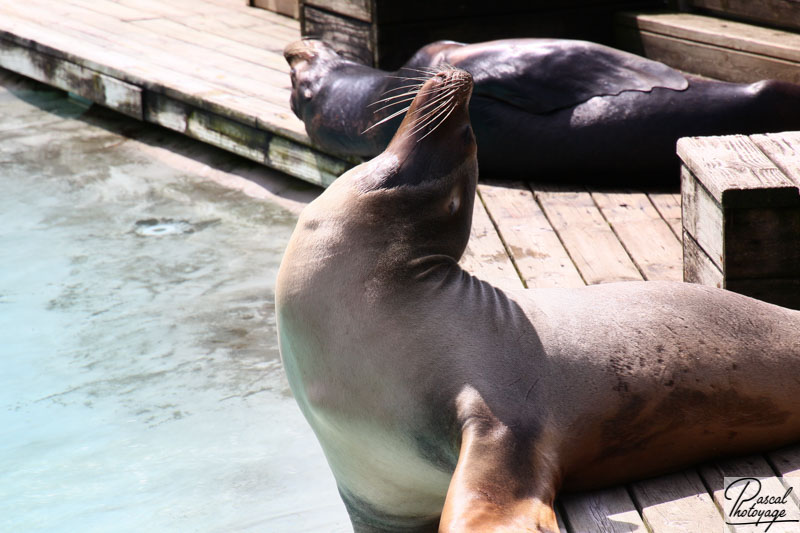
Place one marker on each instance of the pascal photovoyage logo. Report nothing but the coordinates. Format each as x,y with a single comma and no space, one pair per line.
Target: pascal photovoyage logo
753,504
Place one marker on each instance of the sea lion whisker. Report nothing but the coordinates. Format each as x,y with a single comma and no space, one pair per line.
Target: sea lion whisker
409,93
428,119
433,103
429,71
436,121
390,117
412,85
392,104
444,117
408,78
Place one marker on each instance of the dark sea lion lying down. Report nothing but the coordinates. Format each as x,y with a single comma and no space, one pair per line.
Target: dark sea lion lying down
545,109
443,402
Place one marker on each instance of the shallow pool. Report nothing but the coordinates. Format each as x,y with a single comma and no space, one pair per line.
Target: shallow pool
140,382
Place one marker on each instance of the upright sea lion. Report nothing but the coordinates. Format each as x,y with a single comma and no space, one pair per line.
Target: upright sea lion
443,402
541,108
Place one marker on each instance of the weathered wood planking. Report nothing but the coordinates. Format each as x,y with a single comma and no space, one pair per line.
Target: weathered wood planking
669,207
786,462
205,85
780,13
290,8
712,47
95,86
603,511
742,215
678,503
591,244
534,246
713,475
485,256
643,232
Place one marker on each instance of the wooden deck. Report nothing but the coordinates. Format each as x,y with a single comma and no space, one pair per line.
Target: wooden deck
213,69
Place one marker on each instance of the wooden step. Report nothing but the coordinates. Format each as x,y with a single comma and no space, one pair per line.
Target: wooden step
713,47
777,13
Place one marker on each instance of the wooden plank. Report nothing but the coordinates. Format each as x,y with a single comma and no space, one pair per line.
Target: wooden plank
129,40
753,466
255,144
276,76
736,172
358,9
259,34
717,32
534,246
783,149
697,267
669,207
603,511
101,55
707,60
647,238
97,87
677,503
781,13
702,220
593,247
786,463
290,8
485,256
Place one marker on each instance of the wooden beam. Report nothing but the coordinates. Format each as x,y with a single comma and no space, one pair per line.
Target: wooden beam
90,84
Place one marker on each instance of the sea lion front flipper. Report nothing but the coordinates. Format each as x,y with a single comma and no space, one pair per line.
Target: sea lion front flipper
545,75
498,485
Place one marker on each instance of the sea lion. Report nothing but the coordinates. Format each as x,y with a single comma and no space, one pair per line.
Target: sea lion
544,109
443,402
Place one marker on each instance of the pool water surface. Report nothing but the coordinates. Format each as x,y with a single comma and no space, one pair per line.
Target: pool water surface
140,382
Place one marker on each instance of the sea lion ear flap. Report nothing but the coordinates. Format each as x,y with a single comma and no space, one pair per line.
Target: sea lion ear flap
306,50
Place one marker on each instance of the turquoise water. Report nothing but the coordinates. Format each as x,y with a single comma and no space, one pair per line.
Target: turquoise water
140,381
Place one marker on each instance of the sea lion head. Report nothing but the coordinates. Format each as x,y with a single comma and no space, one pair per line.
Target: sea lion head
310,61
427,176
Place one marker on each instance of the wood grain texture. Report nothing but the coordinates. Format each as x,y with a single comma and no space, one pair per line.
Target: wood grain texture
290,8
786,462
485,256
736,172
676,504
350,37
710,47
590,242
534,246
779,13
92,85
754,466
718,32
783,149
357,9
603,511
669,207
697,267
645,235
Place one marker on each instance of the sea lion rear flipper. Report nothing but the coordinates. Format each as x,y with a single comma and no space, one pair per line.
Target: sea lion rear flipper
545,75
497,484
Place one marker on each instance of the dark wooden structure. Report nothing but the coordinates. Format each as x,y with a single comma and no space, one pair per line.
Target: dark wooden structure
384,33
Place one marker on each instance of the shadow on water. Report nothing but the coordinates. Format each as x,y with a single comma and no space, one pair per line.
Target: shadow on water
141,387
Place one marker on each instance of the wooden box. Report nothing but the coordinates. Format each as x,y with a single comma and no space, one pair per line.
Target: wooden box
385,33
741,214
